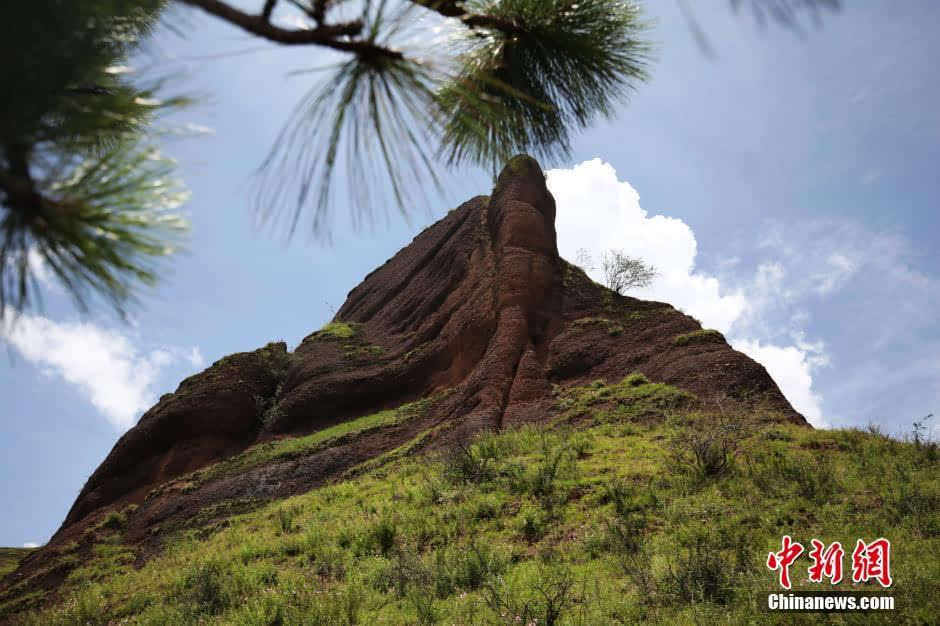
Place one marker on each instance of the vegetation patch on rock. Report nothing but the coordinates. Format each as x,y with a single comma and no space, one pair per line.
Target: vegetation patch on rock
355,351
613,328
292,447
10,558
337,330
633,398
705,335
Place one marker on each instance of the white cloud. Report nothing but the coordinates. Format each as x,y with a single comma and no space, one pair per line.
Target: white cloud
41,271
824,255
828,259
791,367
836,270
815,350
30,544
597,212
104,365
195,357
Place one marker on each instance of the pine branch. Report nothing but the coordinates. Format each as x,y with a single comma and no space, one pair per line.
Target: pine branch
91,90
325,35
100,226
319,11
17,183
20,194
452,8
315,10
506,26
268,9
258,25
542,68
447,8
316,13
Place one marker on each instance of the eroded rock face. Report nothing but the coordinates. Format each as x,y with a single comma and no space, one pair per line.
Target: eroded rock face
210,416
473,300
479,304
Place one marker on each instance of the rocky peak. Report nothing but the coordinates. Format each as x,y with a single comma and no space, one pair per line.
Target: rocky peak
478,320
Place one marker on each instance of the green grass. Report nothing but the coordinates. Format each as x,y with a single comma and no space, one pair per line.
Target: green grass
283,449
414,352
592,525
10,558
355,351
705,335
115,520
110,559
337,330
26,592
276,359
572,272
613,328
632,398
345,331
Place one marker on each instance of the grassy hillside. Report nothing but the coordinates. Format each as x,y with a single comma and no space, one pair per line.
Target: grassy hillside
10,557
631,508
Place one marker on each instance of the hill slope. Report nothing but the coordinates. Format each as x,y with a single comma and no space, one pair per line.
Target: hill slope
478,324
10,558
597,524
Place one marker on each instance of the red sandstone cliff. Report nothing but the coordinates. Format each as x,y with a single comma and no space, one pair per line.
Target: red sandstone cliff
479,304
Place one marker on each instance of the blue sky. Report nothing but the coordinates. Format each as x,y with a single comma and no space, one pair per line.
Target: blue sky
786,189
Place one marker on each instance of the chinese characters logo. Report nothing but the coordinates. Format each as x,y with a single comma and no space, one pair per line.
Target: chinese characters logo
870,561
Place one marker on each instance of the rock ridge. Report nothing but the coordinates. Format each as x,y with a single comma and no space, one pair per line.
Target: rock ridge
478,316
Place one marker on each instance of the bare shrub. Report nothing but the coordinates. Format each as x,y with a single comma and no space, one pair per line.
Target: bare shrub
707,445
699,571
636,562
583,260
548,597
622,272
472,462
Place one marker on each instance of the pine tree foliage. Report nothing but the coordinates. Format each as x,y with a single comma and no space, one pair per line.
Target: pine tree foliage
514,76
511,76
551,65
375,110
82,197
102,229
463,82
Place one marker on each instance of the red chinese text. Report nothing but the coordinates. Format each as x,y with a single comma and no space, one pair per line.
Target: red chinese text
827,562
783,559
872,561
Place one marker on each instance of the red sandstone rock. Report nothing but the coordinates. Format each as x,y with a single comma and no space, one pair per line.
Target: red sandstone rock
479,303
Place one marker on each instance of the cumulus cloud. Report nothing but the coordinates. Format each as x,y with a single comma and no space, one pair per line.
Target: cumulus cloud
30,544
791,367
104,365
39,269
597,212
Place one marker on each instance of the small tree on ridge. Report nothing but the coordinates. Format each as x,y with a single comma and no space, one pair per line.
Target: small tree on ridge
622,272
